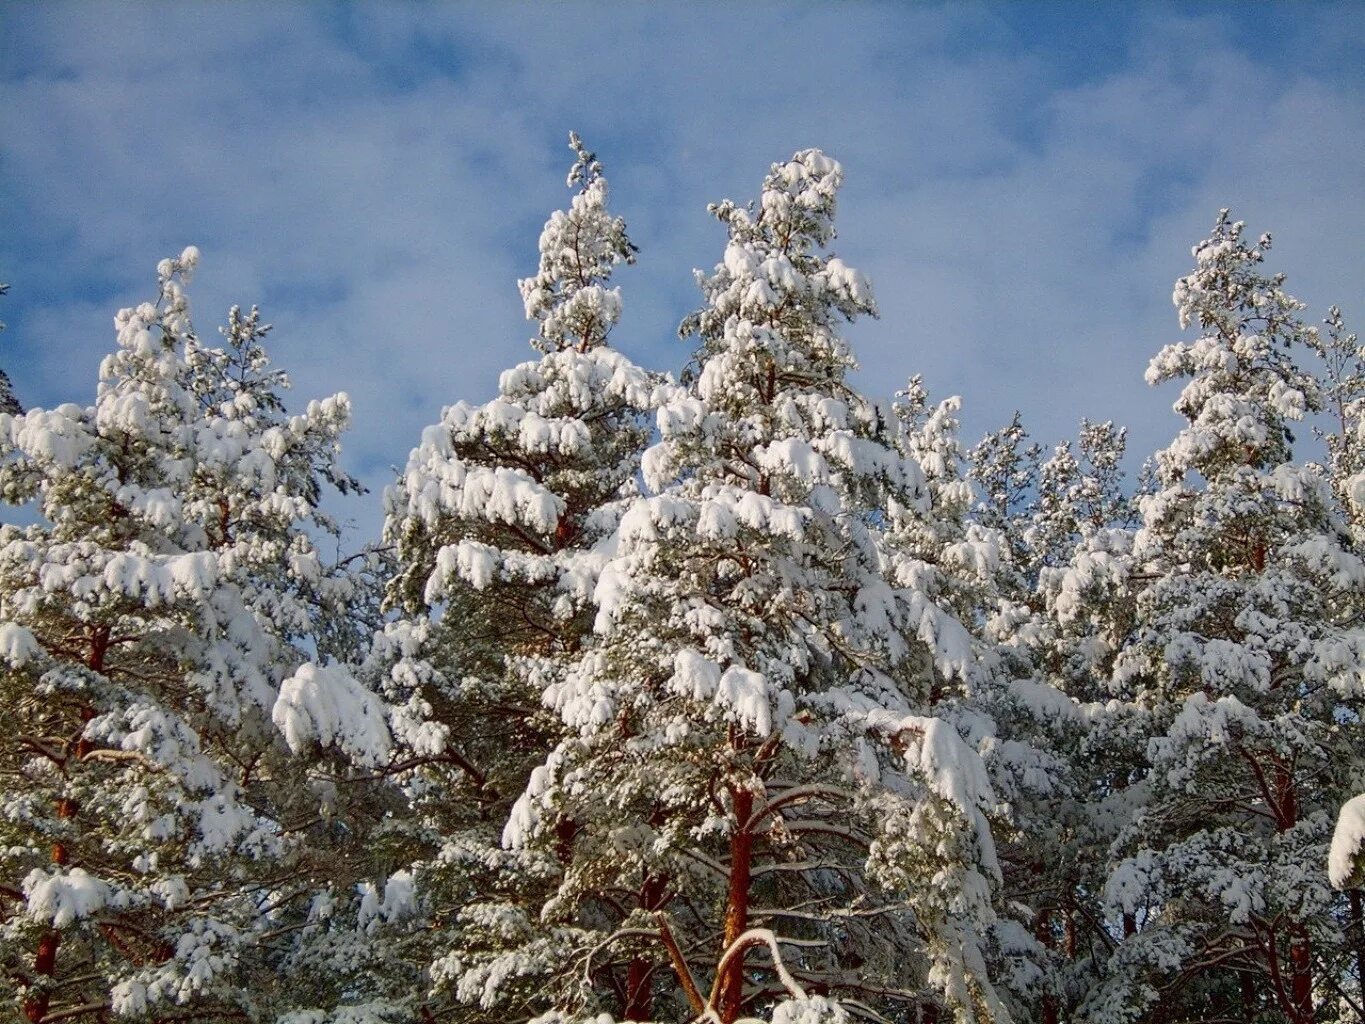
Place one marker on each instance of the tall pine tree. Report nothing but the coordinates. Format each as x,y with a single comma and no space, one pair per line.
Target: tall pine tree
1244,662
500,524
756,807
148,620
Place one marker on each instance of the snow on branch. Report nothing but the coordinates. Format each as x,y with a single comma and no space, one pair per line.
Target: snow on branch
1344,861
325,705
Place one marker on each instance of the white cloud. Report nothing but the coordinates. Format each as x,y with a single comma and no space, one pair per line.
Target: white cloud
375,177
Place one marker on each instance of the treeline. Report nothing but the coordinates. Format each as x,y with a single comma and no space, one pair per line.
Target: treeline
733,696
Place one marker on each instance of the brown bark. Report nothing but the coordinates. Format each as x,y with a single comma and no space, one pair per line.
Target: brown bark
730,985
1043,932
566,829
66,810
1287,791
1272,959
564,532
1300,944
639,993
44,965
224,522
1301,973
639,1001
680,968
45,960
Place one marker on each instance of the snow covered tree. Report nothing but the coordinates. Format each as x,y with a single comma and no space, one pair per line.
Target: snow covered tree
947,552
9,402
752,760
940,545
744,698
1343,387
146,624
1078,536
1044,531
1004,471
498,525
1245,663
1079,492
1344,393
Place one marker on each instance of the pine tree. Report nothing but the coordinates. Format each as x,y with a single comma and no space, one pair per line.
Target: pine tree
148,621
1343,387
9,402
1243,667
948,552
800,713
1040,550
941,546
1079,492
499,524
1004,471
752,763
1078,534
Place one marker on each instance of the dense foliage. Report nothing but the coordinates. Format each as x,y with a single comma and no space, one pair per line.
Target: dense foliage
732,696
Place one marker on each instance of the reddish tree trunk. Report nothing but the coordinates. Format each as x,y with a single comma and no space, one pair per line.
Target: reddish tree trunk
1301,973
730,986
639,992
44,965
1300,945
566,829
639,1003
45,960
1042,930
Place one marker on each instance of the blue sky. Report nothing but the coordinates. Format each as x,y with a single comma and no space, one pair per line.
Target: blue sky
1024,181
